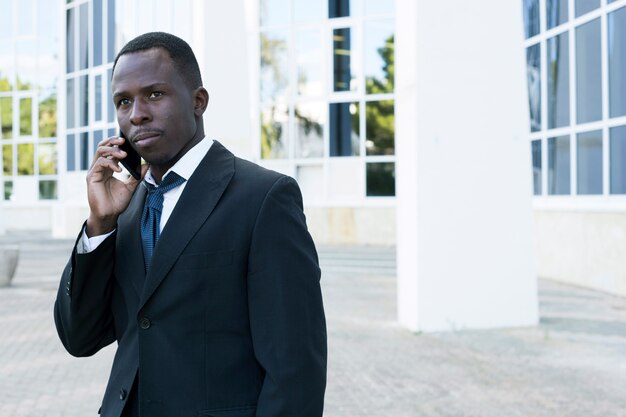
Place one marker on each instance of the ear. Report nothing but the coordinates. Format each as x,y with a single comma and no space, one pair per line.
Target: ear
200,101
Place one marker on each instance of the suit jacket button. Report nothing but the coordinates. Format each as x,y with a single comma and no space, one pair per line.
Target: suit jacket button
122,394
144,323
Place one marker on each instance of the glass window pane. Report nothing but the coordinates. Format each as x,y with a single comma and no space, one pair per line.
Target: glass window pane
112,113
26,159
308,11
588,72
71,102
274,12
26,117
83,37
558,81
47,62
274,75
25,21
98,135
618,160
589,160
48,12
376,7
617,62
559,165
26,64
380,127
47,159
111,49
531,17
381,179
47,190
98,97
344,129
83,101
274,122
70,31
379,57
8,190
536,154
310,63
343,61
342,8
585,6
6,20
557,12
7,159
533,73
48,115
71,152
6,114
85,155
7,73
310,121
97,32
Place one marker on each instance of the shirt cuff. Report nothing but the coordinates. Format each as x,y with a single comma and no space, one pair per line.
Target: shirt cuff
88,244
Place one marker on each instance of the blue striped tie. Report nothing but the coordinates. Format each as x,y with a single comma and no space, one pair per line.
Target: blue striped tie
151,216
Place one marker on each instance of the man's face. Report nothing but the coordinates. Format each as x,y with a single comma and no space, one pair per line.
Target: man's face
155,108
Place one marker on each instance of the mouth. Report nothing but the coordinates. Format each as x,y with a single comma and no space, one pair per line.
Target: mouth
146,138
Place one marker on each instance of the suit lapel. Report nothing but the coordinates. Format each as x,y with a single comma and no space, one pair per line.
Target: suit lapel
130,249
199,198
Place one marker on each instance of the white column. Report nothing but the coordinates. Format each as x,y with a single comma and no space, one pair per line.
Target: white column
224,63
465,249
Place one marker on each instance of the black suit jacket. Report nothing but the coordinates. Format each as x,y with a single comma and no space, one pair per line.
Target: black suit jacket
229,320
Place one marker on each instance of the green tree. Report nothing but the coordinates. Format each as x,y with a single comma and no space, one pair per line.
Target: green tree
379,115
48,117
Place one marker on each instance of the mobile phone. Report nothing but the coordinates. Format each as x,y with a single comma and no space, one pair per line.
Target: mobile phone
132,162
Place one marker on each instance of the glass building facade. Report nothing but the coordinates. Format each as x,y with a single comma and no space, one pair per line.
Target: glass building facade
29,70
326,95
90,50
576,66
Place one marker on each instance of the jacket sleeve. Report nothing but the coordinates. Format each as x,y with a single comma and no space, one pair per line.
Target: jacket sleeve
285,304
82,311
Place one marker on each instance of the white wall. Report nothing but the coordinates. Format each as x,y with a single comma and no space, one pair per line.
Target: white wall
465,257
584,248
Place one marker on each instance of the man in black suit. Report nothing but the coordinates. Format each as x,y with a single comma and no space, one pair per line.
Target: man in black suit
212,293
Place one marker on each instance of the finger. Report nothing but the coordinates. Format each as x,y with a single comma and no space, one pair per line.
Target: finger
113,140
110,152
104,167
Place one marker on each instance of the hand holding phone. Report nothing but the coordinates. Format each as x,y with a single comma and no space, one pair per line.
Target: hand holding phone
132,162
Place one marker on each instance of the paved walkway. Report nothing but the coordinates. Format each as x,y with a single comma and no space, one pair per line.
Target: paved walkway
573,364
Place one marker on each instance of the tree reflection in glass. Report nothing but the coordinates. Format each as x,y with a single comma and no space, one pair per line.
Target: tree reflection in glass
310,120
381,179
7,159
47,158
48,116
380,128
274,81
25,159
6,114
274,122
379,57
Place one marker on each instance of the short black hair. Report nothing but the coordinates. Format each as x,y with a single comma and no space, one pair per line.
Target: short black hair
179,50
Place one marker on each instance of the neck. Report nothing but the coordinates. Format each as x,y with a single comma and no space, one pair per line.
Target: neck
159,170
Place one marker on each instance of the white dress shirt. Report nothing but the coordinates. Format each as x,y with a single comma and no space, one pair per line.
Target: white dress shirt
184,167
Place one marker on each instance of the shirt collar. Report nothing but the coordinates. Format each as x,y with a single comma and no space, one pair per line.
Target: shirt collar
187,164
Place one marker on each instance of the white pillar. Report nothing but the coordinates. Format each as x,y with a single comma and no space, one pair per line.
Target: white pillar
465,249
221,34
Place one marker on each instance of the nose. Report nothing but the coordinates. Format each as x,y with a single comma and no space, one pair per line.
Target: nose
139,113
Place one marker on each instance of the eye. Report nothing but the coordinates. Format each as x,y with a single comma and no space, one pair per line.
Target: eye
123,102
156,94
